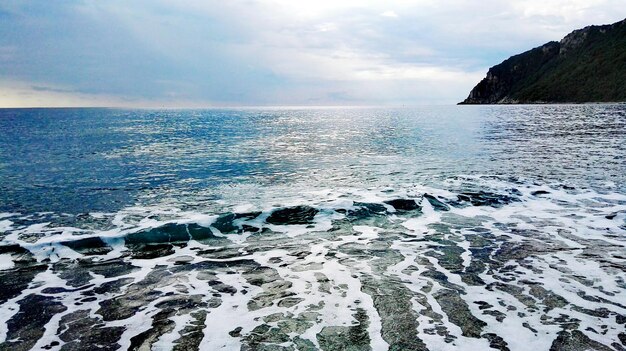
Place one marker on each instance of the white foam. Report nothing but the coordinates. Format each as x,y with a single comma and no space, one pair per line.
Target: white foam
419,225
5,225
8,214
571,221
6,262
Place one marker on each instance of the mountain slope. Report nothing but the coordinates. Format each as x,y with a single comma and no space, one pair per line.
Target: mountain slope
588,65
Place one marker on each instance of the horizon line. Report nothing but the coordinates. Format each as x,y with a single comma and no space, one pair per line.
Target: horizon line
224,107
295,107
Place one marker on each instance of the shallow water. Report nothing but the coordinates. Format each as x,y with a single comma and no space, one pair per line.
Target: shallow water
411,229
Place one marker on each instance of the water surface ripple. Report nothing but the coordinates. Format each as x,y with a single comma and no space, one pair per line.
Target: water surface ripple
432,228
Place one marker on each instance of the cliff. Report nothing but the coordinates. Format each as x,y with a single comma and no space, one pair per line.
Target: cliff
588,65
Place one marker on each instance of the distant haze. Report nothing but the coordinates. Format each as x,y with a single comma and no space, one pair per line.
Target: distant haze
160,53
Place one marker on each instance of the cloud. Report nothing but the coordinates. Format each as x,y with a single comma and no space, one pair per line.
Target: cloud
19,94
257,52
389,14
51,89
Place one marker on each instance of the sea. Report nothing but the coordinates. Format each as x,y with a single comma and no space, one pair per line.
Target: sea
422,228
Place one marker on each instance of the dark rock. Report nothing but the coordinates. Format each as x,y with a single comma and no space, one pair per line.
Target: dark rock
448,255
482,305
497,314
437,204
13,250
110,268
293,215
399,320
248,215
151,251
137,296
14,281
353,338
199,232
81,332
304,344
224,224
459,313
181,303
222,288
300,254
250,229
368,208
576,341
496,342
599,312
89,246
51,345
404,205
57,290
289,302
235,333
168,233
539,192
527,326
78,273
160,325
192,334
264,334
483,198
27,326
548,298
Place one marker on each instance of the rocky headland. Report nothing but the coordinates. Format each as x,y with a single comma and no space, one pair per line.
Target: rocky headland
588,65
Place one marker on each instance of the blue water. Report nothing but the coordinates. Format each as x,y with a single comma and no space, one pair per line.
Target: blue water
432,228
82,160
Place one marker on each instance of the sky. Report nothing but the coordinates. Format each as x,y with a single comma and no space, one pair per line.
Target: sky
173,53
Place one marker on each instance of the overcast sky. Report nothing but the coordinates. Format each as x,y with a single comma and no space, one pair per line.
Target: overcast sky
176,53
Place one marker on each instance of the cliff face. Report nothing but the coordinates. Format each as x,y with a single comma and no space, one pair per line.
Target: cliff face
588,65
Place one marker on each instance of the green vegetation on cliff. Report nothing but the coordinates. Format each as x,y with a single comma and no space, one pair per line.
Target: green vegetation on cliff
588,65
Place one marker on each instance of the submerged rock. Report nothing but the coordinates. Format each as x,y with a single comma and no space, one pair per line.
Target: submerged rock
459,313
79,331
169,233
224,224
363,213
14,281
392,300
27,326
414,289
576,341
160,325
496,342
365,210
192,334
353,338
484,198
262,335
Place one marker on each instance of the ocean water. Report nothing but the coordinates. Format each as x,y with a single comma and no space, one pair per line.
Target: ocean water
431,228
